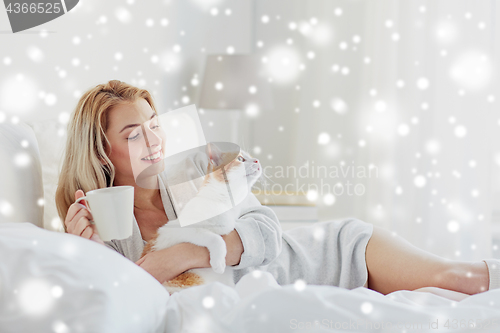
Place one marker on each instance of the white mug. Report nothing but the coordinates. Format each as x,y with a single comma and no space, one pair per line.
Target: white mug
113,211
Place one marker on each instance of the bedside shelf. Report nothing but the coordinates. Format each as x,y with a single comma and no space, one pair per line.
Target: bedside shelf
283,199
295,216
293,209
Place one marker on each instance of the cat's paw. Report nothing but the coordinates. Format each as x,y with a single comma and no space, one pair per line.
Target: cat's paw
218,265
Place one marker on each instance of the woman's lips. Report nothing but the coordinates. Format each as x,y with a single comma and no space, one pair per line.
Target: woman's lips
153,158
153,154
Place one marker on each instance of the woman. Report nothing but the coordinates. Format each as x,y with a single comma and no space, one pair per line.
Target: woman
97,155
349,253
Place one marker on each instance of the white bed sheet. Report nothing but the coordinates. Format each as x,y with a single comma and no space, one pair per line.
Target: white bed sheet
258,304
54,282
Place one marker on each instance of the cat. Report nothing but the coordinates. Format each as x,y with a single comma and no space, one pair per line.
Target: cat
241,173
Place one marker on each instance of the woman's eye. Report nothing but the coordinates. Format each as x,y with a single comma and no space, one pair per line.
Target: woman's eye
241,159
137,135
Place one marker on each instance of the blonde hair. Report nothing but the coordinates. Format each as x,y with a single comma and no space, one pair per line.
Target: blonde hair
86,165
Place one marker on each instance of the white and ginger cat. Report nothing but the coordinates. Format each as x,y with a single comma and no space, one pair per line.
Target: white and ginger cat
212,196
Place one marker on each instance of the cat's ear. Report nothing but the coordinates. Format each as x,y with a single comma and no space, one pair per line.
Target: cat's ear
214,154
245,154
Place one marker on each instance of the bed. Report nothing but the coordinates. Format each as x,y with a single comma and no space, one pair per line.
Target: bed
56,282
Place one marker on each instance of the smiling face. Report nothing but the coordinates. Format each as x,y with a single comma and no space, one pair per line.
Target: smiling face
137,144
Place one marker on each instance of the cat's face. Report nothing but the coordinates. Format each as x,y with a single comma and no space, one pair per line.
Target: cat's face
253,169
242,166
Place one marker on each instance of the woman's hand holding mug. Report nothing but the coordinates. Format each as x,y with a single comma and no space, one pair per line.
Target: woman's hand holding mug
78,220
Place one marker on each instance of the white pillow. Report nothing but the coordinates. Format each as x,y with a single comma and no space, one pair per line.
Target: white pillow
51,145
55,282
21,185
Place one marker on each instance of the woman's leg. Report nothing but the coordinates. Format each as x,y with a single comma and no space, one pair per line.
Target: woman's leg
393,264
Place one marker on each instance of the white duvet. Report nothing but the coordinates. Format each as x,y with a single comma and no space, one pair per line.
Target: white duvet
53,282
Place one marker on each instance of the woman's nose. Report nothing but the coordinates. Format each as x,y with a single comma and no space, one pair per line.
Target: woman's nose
151,138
